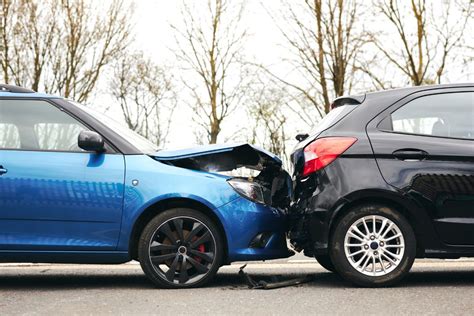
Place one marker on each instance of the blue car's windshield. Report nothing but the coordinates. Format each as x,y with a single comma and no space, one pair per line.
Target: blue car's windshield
138,141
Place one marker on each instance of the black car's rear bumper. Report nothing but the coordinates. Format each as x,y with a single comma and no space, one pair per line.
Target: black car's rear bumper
310,214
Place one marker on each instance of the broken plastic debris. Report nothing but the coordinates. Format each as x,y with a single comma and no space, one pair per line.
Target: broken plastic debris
252,284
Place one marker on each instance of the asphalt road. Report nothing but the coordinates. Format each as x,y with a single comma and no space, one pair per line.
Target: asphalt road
433,287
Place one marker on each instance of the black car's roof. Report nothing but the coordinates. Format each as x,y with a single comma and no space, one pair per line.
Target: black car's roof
376,102
392,94
386,97
400,92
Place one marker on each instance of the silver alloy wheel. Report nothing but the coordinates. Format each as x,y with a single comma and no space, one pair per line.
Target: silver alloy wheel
182,250
374,245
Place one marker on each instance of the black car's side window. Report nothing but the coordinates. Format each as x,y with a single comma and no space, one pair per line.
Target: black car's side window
442,115
37,125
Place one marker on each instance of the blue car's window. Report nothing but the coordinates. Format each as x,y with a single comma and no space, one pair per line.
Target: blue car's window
37,125
9,136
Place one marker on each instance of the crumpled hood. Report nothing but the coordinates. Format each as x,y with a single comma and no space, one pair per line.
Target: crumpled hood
219,157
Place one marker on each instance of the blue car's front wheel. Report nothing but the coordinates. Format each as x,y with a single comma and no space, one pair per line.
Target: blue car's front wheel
180,248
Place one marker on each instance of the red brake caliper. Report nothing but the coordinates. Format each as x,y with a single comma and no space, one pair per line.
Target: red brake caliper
200,248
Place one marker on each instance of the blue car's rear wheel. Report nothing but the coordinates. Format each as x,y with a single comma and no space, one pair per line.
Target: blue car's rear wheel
180,248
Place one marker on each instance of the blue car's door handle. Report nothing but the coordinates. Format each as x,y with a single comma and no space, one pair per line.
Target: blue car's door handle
3,170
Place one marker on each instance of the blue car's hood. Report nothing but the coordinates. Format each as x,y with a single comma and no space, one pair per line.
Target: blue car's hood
219,157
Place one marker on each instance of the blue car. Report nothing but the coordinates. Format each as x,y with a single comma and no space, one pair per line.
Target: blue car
76,187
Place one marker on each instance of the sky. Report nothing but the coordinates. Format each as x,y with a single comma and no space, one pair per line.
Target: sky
153,33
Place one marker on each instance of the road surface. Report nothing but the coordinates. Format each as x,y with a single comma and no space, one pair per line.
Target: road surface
433,287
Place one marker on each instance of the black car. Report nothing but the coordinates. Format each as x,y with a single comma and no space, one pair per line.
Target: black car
385,178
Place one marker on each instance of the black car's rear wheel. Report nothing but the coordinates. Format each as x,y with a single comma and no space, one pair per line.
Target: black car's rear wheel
325,262
180,248
373,245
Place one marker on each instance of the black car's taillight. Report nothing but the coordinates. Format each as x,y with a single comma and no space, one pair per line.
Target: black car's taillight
323,151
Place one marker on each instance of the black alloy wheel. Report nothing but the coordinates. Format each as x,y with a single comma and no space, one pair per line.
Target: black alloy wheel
180,248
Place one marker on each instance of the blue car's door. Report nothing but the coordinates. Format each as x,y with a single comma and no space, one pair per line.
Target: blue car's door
53,195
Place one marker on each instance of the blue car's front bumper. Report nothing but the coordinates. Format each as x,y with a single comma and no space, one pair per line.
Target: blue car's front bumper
244,220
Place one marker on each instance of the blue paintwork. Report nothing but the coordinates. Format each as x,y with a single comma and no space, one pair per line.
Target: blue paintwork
82,207
59,200
246,219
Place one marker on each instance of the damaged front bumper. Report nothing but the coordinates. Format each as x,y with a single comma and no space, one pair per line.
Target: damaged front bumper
264,239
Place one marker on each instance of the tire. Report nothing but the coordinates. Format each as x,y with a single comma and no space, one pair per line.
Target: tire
325,262
389,253
180,238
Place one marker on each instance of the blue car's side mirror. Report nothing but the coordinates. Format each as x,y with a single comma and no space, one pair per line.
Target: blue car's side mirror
91,141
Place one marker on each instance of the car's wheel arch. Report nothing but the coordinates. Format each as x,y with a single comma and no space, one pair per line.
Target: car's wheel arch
166,204
416,216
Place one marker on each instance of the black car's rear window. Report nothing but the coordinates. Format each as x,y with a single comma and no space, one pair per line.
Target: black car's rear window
332,118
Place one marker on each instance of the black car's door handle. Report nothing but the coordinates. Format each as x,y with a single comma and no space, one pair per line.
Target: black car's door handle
410,154
3,170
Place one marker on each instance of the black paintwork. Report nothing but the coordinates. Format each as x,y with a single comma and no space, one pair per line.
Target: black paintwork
429,179
14,89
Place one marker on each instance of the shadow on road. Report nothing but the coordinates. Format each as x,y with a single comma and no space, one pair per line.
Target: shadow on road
225,281
72,282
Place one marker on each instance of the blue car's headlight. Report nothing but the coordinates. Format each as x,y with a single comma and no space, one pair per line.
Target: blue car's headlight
250,190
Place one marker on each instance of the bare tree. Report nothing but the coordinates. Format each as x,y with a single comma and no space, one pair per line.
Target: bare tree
30,32
5,20
325,43
91,42
209,44
62,46
146,96
423,37
267,101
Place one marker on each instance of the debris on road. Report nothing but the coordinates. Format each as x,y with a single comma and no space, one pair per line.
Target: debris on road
276,282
